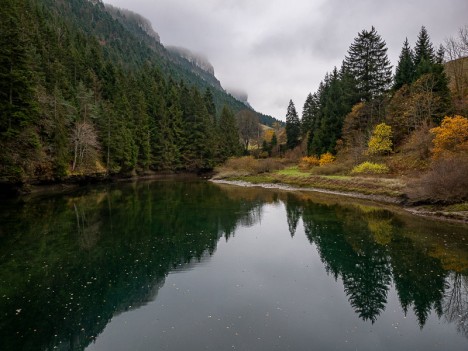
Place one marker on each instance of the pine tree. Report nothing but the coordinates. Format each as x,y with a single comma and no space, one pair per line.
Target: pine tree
199,133
17,100
274,144
293,126
209,103
334,102
315,141
229,135
430,76
309,114
423,51
440,55
405,70
368,63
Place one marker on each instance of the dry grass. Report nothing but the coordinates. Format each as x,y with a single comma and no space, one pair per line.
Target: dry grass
339,167
295,177
247,165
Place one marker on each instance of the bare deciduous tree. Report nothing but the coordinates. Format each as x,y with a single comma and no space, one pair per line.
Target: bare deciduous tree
456,302
456,49
85,144
249,127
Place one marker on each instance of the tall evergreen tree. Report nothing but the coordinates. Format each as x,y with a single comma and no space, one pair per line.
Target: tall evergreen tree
334,100
209,103
440,55
367,61
430,76
17,100
229,135
293,126
423,49
405,70
309,113
424,56
199,132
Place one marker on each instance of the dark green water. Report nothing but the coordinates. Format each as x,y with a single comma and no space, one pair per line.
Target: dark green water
171,265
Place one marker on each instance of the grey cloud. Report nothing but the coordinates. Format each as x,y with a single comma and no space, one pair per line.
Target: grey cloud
276,50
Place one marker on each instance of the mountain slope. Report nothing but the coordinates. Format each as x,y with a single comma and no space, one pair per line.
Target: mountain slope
180,63
82,92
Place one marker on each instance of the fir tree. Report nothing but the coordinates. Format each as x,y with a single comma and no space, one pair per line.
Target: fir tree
405,69
229,135
209,103
334,103
368,63
440,55
309,113
17,100
293,126
423,51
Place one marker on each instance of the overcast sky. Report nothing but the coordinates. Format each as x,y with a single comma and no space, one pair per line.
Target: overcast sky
276,50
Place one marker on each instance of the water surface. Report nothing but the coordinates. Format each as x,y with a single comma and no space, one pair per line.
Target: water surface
177,265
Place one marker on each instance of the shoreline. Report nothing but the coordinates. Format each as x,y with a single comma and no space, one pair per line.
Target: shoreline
455,217
75,183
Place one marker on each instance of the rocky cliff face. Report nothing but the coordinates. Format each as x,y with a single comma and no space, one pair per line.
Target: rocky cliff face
239,95
128,17
198,60
143,30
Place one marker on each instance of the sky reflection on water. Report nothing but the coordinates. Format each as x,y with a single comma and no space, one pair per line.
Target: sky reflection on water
176,265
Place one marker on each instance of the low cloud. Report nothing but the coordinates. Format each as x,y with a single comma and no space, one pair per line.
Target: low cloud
277,50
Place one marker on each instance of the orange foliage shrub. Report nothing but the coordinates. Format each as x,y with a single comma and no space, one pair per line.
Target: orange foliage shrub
309,162
451,137
326,158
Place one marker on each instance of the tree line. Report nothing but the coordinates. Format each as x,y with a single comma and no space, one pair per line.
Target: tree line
363,92
75,103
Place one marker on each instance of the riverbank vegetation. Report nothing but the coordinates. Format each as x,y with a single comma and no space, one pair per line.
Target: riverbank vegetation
364,131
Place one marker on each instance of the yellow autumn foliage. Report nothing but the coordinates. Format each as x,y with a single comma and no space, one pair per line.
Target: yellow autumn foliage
326,158
381,140
309,162
268,135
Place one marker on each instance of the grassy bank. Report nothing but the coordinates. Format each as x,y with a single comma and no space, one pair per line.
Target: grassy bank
280,172
384,188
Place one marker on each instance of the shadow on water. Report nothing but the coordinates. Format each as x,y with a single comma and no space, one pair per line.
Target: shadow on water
69,264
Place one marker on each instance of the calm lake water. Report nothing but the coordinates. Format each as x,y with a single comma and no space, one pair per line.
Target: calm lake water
191,265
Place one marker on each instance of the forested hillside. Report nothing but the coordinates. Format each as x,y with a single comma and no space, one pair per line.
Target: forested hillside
366,120
82,91
352,100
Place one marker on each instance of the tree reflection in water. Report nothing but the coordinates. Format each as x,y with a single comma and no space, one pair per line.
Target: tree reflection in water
74,262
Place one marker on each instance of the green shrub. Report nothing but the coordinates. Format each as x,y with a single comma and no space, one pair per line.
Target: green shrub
370,168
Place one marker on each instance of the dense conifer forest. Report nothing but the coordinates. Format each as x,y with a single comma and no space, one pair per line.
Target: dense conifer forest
362,93
85,89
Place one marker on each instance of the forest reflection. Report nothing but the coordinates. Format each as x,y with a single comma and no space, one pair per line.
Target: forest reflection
370,248
70,263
